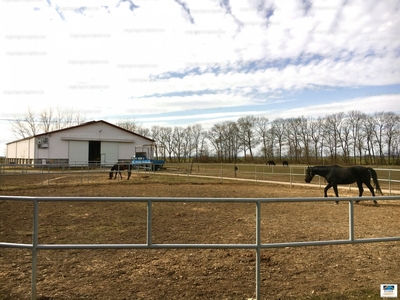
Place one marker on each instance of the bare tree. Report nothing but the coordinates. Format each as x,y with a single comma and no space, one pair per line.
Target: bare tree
293,136
32,124
368,130
19,128
317,136
128,124
46,117
343,134
25,127
155,135
249,138
231,140
188,143
198,139
379,120
177,142
166,141
278,131
355,120
305,137
391,132
215,136
262,128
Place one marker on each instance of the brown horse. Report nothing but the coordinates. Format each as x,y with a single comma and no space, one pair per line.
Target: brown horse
117,168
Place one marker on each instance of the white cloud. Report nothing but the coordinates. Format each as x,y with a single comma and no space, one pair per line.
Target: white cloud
100,59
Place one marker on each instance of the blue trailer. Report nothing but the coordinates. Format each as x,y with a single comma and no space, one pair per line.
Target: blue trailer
140,161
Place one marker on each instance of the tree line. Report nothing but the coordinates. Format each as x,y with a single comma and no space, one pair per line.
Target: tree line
341,138
47,120
346,138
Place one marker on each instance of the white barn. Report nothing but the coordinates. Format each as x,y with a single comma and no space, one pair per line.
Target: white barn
96,142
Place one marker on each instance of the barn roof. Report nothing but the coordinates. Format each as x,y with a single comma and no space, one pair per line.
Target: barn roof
82,125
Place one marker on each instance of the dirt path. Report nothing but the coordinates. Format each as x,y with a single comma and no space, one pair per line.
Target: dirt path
287,273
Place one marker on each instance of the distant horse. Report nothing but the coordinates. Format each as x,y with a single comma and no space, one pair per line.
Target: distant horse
335,175
270,163
285,163
117,168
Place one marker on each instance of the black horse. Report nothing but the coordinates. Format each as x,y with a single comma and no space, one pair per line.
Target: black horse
270,163
335,175
285,163
117,168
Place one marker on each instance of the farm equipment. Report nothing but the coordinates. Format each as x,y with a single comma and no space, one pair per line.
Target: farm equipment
140,161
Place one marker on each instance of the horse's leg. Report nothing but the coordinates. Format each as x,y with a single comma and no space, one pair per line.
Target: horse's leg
360,190
129,174
328,187
335,189
371,188
115,175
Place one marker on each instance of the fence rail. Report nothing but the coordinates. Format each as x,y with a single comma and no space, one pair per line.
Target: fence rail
257,245
47,174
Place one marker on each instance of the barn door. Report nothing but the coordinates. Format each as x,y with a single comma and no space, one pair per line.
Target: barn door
94,152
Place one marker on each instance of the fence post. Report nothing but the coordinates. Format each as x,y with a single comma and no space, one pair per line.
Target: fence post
34,246
258,250
149,222
351,220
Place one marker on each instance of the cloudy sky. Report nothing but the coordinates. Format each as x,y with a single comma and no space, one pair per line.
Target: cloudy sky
181,62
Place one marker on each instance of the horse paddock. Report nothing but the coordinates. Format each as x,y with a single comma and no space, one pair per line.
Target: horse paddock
314,272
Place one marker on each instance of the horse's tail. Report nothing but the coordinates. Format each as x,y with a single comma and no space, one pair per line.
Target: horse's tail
375,178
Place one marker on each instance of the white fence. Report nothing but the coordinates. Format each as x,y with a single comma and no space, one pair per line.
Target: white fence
256,246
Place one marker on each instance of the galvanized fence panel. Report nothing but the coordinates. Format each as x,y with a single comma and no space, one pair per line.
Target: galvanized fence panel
257,173
257,245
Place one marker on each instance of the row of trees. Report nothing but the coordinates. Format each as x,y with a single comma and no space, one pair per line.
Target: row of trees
47,120
347,138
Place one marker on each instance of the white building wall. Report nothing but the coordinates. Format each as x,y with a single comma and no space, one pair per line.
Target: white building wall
73,144
109,152
126,150
78,152
11,151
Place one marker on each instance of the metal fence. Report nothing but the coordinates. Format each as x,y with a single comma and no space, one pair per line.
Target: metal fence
294,175
389,179
256,246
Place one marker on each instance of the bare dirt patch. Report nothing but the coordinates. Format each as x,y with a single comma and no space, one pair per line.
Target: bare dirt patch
287,273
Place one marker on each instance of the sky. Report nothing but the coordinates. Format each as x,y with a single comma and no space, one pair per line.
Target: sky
185,62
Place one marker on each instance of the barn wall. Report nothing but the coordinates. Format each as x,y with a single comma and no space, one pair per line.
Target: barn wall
58,148
98,132
78,152
126,150
72,145
22,151
11,151
109,152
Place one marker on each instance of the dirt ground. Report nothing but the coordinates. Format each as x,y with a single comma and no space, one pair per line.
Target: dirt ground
287,273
